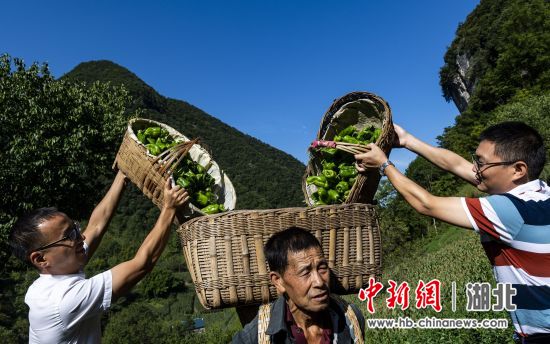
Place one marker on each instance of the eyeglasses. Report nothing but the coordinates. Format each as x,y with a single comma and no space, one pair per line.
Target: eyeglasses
479,165
72,236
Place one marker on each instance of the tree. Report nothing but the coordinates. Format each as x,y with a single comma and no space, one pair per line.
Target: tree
534,111
58,141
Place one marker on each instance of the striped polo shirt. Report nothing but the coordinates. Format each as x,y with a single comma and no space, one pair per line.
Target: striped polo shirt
515,233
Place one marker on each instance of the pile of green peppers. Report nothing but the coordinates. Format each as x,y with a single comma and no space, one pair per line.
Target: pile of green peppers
194,178
338,172
156,139
189,174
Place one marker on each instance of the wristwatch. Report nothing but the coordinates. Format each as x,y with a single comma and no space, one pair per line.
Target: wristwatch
383,167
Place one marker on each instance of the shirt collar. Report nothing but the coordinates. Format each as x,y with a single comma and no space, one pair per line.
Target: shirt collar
277,318
536,185
80,273
277,322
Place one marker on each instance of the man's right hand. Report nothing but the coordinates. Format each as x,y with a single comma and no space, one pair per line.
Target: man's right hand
127,274
174,196
401,137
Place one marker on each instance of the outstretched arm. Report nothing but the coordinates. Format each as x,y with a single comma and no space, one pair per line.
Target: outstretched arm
448,209
127,274
102,214
443,158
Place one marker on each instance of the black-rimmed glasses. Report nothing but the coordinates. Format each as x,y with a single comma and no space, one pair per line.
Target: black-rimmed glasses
72,236
479,165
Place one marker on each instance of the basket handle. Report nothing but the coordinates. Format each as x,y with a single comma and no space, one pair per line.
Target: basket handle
351,148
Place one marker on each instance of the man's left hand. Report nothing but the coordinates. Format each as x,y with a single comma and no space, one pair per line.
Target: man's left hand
371,159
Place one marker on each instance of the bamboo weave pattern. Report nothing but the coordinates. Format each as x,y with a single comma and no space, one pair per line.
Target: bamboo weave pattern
224,252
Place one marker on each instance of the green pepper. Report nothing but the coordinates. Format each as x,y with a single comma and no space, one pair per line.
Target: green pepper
153,149
153,132
199,179
204,179
319,181
211,209
337,138
200,168
365,135
347,172
141,136
333,196
342,187
319,202
330,175
323,194
161,146
352,180
201,199
320,195
184,183
369,134
376,134
350,130
329,152
211,196
346,194
350,139
315,196
328,165
344,165
162,140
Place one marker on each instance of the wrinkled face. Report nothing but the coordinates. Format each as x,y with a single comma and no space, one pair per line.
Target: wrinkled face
492,179
306,280
65,257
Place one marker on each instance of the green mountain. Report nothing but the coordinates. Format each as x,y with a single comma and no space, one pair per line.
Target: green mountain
263,176
500,55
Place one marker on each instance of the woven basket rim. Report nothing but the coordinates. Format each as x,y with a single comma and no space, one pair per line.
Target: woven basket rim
214,217
171,131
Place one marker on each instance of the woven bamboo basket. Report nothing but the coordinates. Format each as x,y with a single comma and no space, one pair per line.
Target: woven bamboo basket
145,170
225,252
361,109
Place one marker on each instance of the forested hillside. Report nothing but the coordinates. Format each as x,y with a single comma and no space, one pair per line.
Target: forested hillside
264,177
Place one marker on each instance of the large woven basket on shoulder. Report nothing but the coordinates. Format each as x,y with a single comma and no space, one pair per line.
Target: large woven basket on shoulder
143,169
225,252
361,109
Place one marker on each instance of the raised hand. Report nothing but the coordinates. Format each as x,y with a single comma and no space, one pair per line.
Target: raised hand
174,196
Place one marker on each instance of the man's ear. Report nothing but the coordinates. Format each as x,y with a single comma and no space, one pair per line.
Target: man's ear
277,281
520,170
37,259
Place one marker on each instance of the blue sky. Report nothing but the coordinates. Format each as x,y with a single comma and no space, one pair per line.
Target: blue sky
268,68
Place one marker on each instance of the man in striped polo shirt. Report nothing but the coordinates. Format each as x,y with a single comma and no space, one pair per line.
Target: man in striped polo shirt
513,221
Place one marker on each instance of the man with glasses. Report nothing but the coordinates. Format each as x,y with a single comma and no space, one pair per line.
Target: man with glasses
513,221
65,306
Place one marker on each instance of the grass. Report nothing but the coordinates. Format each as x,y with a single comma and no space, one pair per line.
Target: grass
453,255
